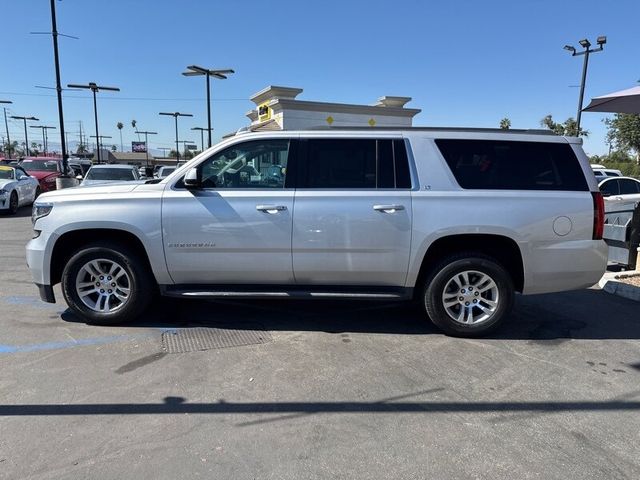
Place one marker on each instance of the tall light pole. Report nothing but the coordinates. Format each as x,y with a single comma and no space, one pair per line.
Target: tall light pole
26,136
95,89
6,126
176,115
586,44
221,74
99,142
45,137
202,130
146,142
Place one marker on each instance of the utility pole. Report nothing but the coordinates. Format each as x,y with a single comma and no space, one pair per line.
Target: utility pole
6,126
202,130
45,137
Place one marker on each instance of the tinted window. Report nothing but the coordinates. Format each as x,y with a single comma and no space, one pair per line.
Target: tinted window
97,173
354,164
610,187
508,165
628,187
256,164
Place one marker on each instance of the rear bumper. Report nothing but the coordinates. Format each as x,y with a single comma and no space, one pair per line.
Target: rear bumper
46,293
571,265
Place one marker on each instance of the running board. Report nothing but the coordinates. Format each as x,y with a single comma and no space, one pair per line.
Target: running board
184,291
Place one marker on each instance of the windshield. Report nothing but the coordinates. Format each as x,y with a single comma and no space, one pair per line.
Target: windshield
110,174
40,165
6,173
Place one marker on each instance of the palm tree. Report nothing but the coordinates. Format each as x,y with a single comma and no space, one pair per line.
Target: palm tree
505,123
120,126
133,124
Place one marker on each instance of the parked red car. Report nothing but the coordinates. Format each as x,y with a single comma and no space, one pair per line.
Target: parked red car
46,170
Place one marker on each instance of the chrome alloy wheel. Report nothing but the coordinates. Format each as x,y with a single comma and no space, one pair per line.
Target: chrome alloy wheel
103,285
471,297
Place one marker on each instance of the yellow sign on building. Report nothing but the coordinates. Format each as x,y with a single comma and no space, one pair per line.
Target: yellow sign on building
264,112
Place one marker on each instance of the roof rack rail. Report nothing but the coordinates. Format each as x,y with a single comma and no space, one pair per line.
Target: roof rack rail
534,131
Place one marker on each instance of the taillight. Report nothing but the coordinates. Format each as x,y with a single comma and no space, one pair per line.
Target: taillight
598,215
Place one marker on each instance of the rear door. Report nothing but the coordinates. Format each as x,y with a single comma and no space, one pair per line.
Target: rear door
352,213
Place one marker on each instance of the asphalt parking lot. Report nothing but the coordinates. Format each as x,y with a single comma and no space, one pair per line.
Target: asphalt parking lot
314,389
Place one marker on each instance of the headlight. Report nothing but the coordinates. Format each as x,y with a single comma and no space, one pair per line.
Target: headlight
40,210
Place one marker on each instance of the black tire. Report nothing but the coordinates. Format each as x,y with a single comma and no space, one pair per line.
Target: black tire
13,203
438,279
38,192
141,283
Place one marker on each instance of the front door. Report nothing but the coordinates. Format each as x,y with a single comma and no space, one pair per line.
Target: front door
237,229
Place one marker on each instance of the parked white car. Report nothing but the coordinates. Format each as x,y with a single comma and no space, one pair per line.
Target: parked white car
601,172
620,193
115,173
17,188
164,172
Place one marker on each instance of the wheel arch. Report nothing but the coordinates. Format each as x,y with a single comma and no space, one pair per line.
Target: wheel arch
504,249
68,244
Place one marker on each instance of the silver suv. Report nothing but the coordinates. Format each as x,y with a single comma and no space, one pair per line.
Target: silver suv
456,219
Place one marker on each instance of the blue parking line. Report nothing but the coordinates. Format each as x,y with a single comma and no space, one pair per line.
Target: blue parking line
36,347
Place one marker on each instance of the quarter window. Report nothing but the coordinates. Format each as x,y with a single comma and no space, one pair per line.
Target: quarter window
255,164
509,165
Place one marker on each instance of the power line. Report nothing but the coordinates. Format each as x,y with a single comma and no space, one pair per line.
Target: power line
155,99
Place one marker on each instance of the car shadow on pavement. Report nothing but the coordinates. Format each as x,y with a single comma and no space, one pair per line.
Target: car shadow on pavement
21,213
550,318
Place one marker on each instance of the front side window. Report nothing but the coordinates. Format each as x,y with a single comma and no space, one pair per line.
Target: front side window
610,188
254,164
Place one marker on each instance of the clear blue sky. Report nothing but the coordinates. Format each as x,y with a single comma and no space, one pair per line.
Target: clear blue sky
464,62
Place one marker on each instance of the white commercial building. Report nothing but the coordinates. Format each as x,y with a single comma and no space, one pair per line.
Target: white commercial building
277,108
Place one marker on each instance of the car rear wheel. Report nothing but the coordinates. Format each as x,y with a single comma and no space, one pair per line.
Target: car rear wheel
107,284
468,295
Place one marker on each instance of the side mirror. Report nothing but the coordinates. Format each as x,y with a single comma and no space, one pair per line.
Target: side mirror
192,179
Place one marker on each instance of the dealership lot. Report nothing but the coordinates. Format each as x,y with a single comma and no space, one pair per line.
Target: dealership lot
314,389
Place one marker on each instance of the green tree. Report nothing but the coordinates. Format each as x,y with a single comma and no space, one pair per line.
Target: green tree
114,148
568,129
120,126
172,154
34,150
623,131
505,123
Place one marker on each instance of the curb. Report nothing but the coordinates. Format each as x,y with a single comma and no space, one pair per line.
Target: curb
620,289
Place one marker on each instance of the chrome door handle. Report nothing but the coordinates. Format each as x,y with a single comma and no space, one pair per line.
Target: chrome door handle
388,208
270,208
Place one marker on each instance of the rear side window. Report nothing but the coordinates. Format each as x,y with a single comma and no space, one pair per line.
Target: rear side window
629,187
354,164
508,165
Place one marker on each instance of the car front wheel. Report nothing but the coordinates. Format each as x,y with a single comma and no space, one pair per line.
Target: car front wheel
107,284
468,295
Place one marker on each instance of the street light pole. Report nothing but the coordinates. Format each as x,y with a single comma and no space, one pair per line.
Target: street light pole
586,44
146,142
26,137
202,129
45,137
54,34
95,88
6,126
221,74
175,115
